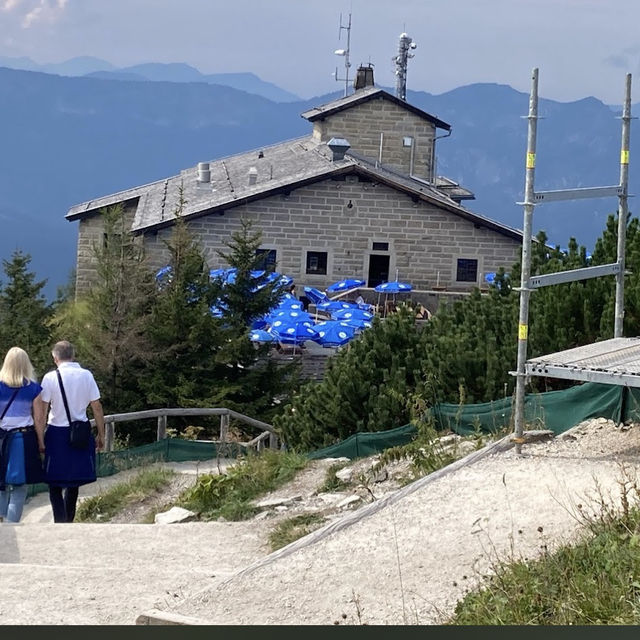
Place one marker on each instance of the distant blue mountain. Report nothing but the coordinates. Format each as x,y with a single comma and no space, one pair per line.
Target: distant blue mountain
71,139
153,71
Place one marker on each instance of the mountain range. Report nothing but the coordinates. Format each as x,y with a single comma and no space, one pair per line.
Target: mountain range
69,137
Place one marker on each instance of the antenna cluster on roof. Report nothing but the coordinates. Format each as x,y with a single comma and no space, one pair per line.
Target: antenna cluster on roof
405,46
345,53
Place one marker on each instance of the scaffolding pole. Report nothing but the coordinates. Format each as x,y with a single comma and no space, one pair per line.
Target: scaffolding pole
623,209
529,284
525,291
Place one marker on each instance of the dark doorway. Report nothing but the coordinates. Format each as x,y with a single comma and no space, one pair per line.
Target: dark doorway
378,270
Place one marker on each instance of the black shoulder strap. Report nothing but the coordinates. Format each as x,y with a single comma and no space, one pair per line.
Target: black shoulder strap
13,397
64,396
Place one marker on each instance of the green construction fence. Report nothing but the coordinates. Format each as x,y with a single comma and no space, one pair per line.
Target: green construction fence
554,410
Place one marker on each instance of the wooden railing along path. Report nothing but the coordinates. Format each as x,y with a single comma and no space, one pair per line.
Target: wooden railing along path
268,431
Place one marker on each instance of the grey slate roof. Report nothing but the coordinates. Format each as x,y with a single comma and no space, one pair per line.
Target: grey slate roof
281,168
364,95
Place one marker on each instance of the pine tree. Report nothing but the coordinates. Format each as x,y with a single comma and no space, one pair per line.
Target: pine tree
107,324
24,312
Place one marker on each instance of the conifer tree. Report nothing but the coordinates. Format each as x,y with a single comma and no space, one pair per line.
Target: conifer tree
107,324
365,387
24,312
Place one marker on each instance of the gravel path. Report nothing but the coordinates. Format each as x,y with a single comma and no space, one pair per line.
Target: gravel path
407,563
412,561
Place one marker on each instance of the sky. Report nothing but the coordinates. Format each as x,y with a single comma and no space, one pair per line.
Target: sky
581,47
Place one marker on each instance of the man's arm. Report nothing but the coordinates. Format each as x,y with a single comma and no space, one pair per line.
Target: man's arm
98,414
40,408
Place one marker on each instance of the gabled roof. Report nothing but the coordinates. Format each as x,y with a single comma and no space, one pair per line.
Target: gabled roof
365,95
280,169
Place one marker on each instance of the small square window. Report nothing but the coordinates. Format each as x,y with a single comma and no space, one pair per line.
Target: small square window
380,246
317,263
407,141
268,259
467,270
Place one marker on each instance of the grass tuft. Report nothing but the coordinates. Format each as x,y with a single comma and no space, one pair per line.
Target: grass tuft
229,495
108,503
286,531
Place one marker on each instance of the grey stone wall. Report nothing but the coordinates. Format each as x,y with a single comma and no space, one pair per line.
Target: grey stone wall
90,236
378,121
424,240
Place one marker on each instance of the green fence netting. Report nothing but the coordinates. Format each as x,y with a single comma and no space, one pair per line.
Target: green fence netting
554,410
167,450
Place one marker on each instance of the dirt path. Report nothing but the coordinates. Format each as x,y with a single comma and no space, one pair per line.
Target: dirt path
406,564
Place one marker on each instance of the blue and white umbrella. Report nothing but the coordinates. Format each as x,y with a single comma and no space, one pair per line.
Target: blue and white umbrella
334,333
258,335
294,315
393,287
334,305
315,295
163,276
295,333
348,314
345,285
359,324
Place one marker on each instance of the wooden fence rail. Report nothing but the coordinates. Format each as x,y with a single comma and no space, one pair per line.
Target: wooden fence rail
268,431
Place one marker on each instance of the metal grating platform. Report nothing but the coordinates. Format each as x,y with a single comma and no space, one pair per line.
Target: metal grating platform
614,361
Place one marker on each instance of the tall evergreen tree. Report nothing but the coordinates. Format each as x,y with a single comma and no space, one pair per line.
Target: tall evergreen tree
24,312
107,324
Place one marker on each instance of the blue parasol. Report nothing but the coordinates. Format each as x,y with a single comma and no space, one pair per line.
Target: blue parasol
393,287
315,295
334,333
348,314
345,285
258,335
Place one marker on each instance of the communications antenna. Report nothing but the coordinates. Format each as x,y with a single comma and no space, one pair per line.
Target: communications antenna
345,53
405,46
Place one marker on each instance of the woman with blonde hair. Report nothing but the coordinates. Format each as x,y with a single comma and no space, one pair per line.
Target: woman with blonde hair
21,433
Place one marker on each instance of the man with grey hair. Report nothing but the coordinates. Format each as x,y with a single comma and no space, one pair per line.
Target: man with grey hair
66,394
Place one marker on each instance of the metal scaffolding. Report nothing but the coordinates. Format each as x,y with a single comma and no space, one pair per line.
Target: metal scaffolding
528,283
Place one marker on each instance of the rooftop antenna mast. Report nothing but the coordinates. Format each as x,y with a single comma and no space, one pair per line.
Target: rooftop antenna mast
405,46
345,53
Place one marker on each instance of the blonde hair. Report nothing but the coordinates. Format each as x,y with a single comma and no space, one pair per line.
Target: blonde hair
17,368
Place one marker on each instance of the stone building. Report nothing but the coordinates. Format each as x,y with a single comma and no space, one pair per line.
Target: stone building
356,198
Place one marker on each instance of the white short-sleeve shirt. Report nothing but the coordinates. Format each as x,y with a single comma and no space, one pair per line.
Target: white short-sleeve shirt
80,388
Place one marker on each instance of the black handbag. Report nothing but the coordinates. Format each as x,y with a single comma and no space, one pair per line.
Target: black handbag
79,430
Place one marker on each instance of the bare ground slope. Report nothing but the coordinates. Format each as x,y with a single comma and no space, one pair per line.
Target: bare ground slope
406,563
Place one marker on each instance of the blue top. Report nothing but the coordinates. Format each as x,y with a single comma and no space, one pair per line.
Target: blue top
19,413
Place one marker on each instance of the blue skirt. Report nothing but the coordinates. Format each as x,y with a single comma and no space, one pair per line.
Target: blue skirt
65,466
20,461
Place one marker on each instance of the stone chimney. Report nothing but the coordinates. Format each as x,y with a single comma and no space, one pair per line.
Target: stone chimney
253,176
364,77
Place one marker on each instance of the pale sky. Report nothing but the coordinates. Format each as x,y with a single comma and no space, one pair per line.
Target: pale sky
582,47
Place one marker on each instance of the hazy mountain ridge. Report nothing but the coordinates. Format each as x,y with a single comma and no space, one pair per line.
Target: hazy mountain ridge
153,71
71,139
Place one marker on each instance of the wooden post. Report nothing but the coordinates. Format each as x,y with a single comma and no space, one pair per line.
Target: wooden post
273,441
109,435
162,428
224,427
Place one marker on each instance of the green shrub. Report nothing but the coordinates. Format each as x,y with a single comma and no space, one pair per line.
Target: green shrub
229,495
